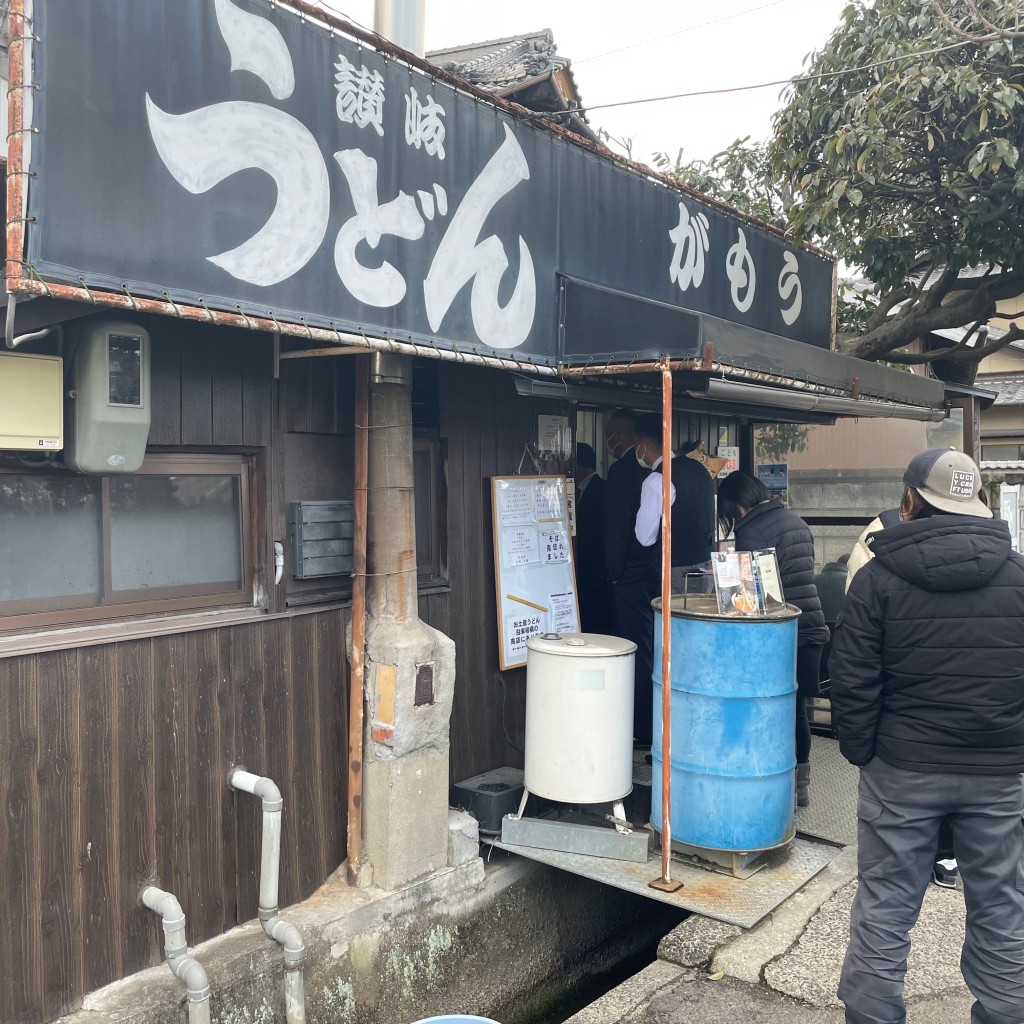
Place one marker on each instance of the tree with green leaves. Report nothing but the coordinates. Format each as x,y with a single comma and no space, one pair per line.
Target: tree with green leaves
900,149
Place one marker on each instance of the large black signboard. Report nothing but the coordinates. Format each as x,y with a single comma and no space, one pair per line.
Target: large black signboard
228,152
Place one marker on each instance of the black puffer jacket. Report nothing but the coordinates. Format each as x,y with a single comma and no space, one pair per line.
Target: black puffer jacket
772,525
927,663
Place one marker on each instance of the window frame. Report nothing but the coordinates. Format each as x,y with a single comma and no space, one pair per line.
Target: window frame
78,609
434,573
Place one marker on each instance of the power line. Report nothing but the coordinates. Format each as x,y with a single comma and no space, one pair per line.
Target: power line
679,32
765,85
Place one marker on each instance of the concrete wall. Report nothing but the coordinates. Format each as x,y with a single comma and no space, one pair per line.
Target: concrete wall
507,942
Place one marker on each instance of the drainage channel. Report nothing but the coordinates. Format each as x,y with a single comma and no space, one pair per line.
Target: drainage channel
562,1007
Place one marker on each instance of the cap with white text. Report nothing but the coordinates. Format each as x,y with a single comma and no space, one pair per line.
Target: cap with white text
948,480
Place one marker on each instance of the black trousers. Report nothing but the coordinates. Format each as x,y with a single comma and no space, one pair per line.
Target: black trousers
808,671
633,619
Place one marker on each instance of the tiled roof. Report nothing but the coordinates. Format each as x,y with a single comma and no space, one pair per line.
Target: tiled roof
1009,387
500,65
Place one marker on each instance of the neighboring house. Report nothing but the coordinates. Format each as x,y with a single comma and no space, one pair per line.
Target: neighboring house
522,69
1002,426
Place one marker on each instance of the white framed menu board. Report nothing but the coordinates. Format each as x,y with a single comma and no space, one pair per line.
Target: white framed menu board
534,577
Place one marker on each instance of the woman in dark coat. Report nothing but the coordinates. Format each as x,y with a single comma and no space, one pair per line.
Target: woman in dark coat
746,507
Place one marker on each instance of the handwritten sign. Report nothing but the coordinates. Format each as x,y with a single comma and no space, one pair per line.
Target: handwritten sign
519,546
554,546
519,629
549,503
514,507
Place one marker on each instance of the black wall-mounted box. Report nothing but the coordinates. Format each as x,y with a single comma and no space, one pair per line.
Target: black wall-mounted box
321,538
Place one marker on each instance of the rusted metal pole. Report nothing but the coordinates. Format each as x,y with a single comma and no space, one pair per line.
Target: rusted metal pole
17,31
358,660
666,625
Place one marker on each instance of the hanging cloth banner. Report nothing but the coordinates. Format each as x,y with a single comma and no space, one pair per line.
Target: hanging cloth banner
234,155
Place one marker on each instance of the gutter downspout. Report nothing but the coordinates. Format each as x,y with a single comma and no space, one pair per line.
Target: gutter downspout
186,969
281,931
357,665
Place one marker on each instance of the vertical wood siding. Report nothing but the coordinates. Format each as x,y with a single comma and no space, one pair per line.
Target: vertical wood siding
113,773
485,425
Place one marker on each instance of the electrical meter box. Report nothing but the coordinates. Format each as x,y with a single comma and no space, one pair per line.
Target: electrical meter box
107,412
31,403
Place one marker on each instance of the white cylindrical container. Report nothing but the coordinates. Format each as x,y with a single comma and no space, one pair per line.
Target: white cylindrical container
579,717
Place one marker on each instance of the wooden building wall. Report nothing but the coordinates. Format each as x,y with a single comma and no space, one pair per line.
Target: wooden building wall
114,757
484,424
114,773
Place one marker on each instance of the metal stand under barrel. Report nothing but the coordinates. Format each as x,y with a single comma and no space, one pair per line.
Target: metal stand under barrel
579,744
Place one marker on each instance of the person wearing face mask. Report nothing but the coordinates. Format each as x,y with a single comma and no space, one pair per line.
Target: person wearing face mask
628,563
693,509
693,512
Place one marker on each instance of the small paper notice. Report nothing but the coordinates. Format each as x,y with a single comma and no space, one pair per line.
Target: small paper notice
554,546
519,547
563,613
547,504
519,629
514,506
554,435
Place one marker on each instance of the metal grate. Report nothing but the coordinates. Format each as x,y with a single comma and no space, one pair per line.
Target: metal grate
833,811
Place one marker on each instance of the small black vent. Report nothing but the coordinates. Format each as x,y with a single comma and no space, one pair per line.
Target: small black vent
424,685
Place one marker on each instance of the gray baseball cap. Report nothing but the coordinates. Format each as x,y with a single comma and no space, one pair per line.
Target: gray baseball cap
949,480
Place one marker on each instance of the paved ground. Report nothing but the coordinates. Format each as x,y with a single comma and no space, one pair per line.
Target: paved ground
786,969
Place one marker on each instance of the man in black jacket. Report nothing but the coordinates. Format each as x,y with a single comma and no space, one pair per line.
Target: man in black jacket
628,564
928,699
591,582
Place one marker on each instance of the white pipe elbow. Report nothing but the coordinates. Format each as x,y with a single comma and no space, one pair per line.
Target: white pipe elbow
192,975
189,971
289,938
165,904
258,785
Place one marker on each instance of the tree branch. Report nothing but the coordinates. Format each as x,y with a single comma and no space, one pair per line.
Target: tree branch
957,353
994,31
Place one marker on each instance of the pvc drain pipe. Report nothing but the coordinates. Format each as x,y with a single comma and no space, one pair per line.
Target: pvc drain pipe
186,969
281,931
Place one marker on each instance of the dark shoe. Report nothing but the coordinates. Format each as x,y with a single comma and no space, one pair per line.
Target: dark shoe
803,785
945,873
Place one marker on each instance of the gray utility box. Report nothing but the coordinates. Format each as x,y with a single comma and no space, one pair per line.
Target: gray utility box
321,538
107,411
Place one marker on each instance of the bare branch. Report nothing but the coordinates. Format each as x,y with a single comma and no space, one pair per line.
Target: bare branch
885,305
939,289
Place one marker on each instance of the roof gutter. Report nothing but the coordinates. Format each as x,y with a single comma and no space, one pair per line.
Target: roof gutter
739,393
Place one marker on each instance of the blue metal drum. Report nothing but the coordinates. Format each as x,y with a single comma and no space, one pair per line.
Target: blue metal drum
733,713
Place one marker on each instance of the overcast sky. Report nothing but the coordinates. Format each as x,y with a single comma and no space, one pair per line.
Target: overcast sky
653,48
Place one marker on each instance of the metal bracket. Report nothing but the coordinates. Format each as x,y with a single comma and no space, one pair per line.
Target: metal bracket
662,885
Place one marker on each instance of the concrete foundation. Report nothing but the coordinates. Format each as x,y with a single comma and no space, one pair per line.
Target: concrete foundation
406,831
508,942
